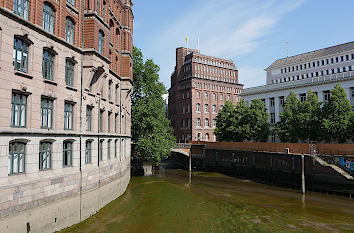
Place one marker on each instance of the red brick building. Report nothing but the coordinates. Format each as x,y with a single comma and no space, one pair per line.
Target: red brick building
200,85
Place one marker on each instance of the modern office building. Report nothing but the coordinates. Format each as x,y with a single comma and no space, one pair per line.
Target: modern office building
66,79
318,70
200,85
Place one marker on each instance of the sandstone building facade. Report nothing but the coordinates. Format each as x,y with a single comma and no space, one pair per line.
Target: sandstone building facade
200,85
66,80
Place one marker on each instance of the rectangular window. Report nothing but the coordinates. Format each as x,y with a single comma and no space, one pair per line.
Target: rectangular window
17,153
20,55
115,149
326,95
47,65
18,110
88,118
100,157
271,102
109,90
116,122
45,155
46,113
48,18
88,152
101,120
69,73
67,153
302,97
21,8
109,122
68,116
272,118
281,100
109,149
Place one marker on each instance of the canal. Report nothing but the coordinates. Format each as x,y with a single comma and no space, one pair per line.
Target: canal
172,201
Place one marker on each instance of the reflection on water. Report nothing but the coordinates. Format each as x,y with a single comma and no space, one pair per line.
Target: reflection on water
174,201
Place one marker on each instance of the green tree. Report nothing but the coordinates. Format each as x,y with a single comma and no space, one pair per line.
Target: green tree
258,121
287,128
225,123
242,127
337,116
309,118
151,130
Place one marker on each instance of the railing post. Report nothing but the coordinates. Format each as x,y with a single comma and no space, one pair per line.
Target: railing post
190,161
302,174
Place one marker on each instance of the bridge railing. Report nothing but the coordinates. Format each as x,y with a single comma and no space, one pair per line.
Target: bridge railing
183,145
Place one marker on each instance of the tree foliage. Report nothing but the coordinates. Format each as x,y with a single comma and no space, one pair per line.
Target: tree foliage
240,122
312,120
337,113
151,129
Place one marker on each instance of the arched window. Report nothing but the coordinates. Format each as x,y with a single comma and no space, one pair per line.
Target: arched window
21,8
206,122
69,31
17,153
100,42
206,137
117,38
20,55
198,122
48,18
198,108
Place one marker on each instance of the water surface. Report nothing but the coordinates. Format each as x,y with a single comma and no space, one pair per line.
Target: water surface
172,201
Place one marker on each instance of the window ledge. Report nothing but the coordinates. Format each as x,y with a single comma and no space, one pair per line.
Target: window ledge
71,88
73,8
50,82
104,99
23,74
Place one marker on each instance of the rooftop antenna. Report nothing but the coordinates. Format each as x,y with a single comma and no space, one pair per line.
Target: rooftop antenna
287,49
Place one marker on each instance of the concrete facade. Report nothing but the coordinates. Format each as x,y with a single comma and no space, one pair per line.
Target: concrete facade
96,168
318,71
200,85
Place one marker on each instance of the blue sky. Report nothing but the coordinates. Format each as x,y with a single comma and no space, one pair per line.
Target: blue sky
253,33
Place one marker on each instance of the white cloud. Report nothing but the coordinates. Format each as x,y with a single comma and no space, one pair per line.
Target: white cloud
251,76
227,28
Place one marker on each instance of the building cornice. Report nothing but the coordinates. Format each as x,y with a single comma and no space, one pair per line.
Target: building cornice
346,76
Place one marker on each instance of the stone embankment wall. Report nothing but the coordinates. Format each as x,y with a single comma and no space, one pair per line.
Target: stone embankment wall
276,168
60,200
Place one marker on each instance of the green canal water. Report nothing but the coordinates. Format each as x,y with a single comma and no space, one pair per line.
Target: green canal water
172,201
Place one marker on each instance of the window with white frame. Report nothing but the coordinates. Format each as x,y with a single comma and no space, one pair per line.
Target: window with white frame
17,153
206,122
206,108
272,118
271,100
221,97
214,108
198,122
197,109
198,94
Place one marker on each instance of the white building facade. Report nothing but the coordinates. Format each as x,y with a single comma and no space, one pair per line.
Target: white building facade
318,71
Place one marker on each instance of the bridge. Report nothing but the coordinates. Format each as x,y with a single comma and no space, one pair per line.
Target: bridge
182,148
